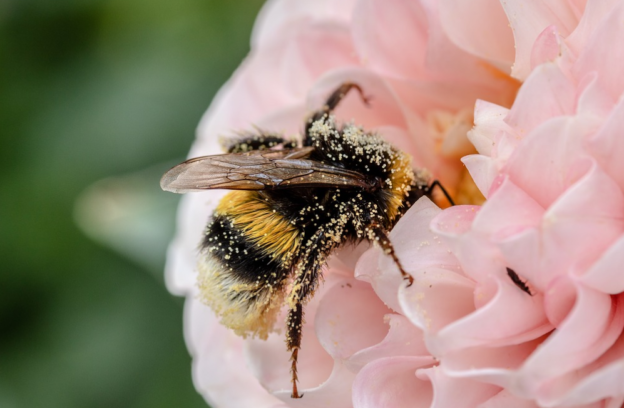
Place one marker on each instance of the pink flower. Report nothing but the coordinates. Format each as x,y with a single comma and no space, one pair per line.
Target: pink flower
549,164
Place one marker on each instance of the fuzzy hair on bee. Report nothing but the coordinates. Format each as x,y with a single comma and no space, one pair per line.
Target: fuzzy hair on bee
291,206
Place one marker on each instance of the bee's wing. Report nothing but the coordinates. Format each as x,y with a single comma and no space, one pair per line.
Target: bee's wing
258,170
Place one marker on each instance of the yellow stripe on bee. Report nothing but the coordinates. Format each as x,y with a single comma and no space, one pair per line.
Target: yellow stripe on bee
401,180
259,223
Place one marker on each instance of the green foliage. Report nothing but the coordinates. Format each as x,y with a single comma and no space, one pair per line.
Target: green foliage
94,89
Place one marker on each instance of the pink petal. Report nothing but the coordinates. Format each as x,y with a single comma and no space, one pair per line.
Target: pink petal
606,62
215,346
291,64
483,171
488,121
506,400
350,318
446,61
416,246
590,329
392,383
574,232
385,285
333,393
547,93
493,365
585,220
269,361
343,261
384,109
436,299
403,339
602,381
455,220
276,17
606,274
548,47
490,325
480,28
607,146
507,212
383,51
478,257
528,20
449,392
550,158
593,98
591,19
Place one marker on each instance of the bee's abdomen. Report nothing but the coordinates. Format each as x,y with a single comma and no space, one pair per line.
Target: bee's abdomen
246,258
238,254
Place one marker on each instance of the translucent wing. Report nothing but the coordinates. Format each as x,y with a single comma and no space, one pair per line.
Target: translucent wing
258,170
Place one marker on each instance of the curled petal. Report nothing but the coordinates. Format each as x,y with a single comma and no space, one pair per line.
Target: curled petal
333,393
437,298
403,339
593,325
549,46
593,99
416,246
509,211
488,122
574,232
391,382
505,399
528,20
546,94
482,170
350,318
600,380
490,325
551,159
449,392
606,274
607,146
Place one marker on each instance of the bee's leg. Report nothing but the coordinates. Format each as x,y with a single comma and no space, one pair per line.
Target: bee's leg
333,101
381,237
246,142
306,272
446,194
294,326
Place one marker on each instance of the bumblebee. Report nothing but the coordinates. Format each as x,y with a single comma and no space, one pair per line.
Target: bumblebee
292,206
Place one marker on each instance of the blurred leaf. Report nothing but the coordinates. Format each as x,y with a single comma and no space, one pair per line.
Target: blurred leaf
131,215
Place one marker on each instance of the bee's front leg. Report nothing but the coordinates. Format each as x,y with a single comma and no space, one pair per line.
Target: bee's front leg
333,101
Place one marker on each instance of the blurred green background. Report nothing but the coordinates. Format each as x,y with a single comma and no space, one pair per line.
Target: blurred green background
92,90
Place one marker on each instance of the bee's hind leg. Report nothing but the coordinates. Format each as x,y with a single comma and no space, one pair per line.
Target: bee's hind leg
293,341
307,274
381,237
